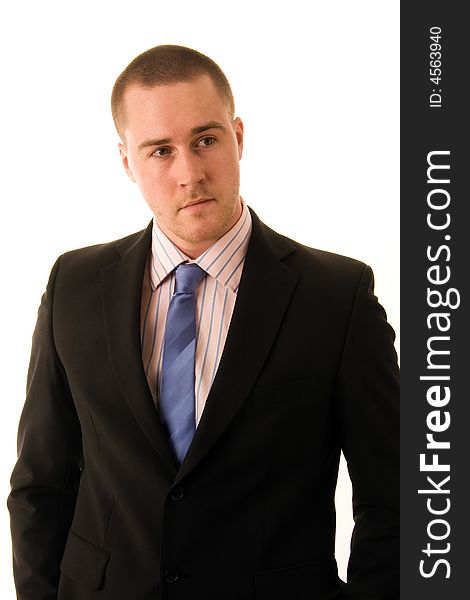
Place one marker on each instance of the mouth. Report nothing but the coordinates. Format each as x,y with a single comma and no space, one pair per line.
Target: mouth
199,202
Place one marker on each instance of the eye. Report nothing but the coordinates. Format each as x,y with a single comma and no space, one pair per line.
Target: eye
206,141
161,152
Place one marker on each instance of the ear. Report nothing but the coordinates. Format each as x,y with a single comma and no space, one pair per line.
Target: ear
125,161
238,130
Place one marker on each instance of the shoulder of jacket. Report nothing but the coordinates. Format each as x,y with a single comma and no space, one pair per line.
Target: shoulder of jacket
307,259
99,255
329,260
331,270
301,256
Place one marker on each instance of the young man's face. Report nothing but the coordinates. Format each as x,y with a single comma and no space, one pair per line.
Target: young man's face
183,149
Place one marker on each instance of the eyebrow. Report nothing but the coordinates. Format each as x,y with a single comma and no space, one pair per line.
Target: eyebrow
194,131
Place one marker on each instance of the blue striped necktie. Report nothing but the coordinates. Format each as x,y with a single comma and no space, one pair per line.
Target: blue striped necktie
177,402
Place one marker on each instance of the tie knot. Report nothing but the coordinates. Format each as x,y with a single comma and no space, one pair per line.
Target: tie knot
188,275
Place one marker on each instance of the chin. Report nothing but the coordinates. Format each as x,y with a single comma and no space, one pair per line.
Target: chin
201,235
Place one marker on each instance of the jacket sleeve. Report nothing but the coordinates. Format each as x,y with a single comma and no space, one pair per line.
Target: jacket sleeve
42,498
368,413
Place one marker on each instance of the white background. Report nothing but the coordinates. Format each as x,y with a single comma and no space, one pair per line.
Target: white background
316,84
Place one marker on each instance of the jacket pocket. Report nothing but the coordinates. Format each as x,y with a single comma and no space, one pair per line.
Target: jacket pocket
307,581
84,562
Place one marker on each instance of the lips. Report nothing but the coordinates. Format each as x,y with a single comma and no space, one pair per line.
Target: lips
197,202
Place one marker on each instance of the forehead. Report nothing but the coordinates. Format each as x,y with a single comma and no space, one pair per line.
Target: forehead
167,110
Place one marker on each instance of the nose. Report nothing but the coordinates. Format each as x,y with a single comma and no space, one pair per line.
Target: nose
189,169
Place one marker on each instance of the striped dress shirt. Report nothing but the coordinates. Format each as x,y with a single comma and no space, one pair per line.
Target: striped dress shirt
215,300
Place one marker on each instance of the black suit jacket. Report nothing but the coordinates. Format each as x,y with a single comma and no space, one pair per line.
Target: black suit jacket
99,507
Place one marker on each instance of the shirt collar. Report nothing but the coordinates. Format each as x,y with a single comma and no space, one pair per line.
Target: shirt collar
223,260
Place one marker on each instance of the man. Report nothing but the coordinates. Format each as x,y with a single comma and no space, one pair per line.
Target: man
191,386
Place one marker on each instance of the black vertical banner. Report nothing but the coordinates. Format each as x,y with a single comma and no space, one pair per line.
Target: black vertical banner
435,313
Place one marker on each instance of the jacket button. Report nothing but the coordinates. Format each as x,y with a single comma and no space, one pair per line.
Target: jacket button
177,494
171,575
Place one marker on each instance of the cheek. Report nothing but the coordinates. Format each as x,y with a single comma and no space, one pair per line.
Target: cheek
157,192
226,167
151,182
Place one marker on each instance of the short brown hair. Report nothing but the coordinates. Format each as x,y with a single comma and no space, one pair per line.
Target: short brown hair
164,65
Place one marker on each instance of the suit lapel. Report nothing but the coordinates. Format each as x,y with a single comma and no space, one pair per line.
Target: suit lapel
265,290
122,288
